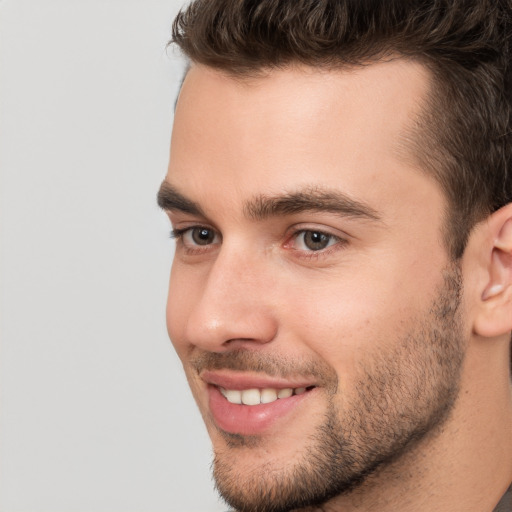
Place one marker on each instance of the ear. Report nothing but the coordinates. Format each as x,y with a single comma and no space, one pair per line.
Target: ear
494,316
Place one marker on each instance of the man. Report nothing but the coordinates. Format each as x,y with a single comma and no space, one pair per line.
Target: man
340,189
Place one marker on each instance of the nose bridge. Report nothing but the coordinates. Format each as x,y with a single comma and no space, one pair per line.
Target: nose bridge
235,302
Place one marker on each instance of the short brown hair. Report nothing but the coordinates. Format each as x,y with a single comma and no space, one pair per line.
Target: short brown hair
466,126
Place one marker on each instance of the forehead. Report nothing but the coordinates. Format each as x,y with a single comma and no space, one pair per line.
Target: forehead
297,127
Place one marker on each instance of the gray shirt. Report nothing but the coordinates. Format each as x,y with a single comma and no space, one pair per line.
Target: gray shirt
505,504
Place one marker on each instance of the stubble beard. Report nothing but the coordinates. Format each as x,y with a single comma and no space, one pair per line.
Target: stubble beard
402,397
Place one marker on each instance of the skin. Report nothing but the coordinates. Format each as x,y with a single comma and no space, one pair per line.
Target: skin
338,313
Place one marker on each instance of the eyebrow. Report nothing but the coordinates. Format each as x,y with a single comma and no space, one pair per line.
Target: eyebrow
309,199
169,199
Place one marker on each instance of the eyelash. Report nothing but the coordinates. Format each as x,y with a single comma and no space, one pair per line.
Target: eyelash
179,233
339,242
335,243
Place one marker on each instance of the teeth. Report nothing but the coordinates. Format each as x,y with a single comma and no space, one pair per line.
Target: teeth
259,396
285,393
268,395
234,396
251,396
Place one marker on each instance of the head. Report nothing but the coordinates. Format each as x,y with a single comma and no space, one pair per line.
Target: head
337,169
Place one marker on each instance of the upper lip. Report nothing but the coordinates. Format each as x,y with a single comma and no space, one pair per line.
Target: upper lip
230,379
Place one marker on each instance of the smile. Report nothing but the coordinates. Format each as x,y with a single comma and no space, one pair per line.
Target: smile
260,396
249,404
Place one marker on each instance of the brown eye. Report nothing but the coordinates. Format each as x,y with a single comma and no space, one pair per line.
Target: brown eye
316,241
202,236
315,245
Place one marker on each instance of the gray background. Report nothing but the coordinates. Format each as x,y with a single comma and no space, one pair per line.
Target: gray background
96,415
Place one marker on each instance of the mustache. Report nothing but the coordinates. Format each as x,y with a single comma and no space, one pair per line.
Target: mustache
272,365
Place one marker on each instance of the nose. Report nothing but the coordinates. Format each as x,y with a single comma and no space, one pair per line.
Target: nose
233,307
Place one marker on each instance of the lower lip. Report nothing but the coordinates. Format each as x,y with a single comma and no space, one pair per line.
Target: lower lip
250,419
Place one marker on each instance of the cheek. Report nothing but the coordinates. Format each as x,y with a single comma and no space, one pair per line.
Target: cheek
338,326
353,316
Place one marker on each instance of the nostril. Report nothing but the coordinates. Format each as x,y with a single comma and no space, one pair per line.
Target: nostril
239,340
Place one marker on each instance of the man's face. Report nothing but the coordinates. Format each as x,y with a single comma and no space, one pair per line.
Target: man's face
311,301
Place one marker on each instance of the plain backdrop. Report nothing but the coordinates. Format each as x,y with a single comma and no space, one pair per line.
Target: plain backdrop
96,415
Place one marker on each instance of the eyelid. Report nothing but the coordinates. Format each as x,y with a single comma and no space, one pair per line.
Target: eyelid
177,233
325,230
341,240
183,235
331,238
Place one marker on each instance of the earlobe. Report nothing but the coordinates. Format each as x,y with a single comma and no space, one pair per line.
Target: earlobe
495,312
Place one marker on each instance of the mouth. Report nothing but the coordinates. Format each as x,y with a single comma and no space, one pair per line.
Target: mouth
252,405
257,396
